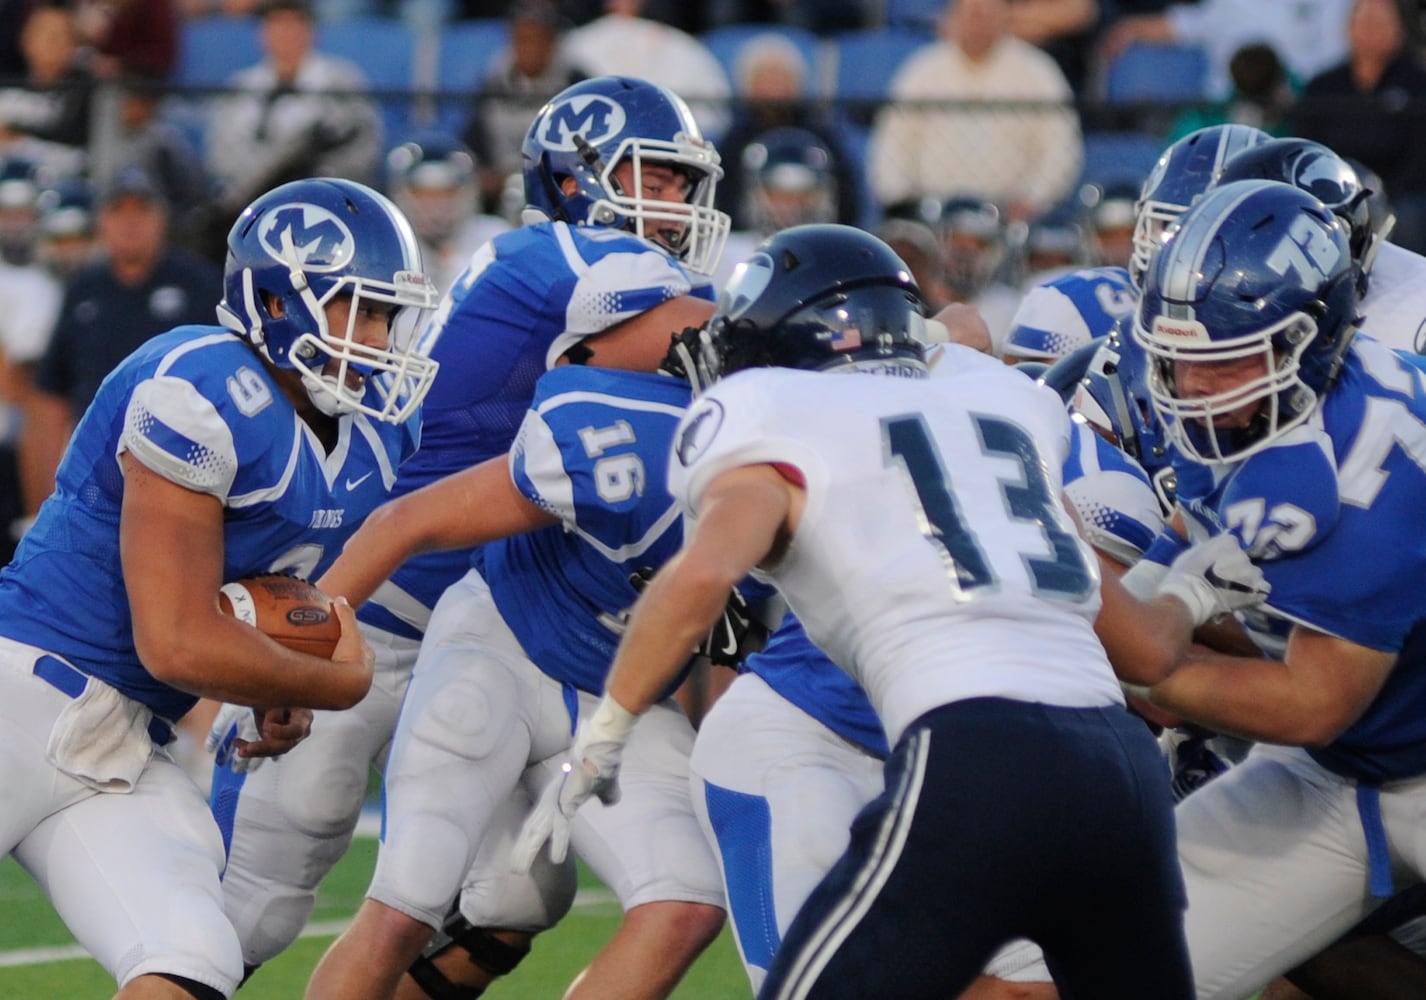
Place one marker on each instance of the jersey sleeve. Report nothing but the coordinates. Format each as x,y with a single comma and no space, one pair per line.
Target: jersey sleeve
1118,512
178,433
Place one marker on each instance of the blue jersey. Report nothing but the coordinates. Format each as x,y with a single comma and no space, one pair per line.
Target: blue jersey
1119,514
1069,311
197,407
594,452
526,297
1332,514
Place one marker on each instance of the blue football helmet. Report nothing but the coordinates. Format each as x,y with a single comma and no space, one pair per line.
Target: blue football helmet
301,245
1323,174
1186,169
821,297
588,129
789,179
1256,270
432,178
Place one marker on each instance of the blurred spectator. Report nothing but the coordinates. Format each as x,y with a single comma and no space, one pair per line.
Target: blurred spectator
433,180
29,302
771,93
1370,108
1261,96
139,134
1309,35
1026,158
52,103
1063,28
623,43
1052,247
140,286
298,113
139,36
65,238
531,70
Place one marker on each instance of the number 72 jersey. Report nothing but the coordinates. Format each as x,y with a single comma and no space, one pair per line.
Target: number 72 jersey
933,561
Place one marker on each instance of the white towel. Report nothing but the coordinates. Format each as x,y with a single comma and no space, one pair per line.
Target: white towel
101,738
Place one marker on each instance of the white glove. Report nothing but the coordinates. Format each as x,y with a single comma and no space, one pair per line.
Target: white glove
1215,577
591,770
233,723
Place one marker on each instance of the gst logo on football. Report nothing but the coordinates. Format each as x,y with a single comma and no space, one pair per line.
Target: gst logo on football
308,236
594,117
1306,252
327,518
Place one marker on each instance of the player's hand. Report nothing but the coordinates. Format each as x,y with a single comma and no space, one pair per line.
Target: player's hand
592,769
737,634
241,738
353,653
1215,577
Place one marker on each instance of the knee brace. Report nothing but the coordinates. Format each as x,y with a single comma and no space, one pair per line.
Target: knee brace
487,951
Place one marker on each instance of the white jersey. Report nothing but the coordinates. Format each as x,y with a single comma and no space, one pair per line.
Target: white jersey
933,561
1394,308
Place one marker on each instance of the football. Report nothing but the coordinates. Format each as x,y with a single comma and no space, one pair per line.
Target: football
286,608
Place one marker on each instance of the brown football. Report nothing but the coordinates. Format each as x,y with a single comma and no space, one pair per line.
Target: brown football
288,609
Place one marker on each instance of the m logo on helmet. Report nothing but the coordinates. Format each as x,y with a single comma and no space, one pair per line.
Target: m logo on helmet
306,236
591,116
1306,252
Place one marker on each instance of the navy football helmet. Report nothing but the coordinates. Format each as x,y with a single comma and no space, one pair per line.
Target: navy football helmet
821,297
789,179
432,178
1323,174
19,188
306,242
66,226
1257,272
1186,169
589,129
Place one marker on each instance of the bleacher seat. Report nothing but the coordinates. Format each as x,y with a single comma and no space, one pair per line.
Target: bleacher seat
1111,157
211,49
727,42
867,61
467,49
384,49
1156,73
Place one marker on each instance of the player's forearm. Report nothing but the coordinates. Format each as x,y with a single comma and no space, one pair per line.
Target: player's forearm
1254,699
674,613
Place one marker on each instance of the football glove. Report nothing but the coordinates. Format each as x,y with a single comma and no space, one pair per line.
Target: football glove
592,769
737,634
1215,577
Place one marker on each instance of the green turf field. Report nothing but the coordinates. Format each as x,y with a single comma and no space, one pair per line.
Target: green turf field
27,924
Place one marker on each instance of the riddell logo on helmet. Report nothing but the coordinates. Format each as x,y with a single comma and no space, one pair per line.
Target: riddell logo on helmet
1180,329
595,118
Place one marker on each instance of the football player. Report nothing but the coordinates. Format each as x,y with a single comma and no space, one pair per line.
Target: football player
779,468
1304,441
433,179
793,750
516,652
210,454
617,171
